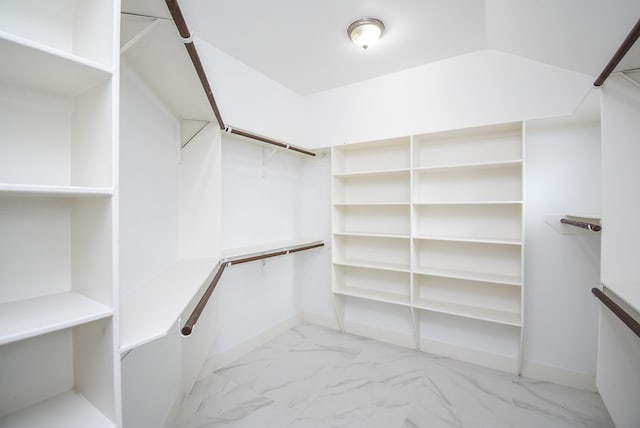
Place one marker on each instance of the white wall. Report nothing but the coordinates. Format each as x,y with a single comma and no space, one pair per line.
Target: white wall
483,87
251,101
149,183
562,176
618,376
149,239
261,187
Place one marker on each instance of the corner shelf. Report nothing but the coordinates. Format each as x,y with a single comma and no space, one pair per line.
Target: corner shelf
148,312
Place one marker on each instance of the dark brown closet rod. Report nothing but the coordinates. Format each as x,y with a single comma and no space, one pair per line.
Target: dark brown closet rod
272,253
631,38
183,30
581,224
618,311
197,311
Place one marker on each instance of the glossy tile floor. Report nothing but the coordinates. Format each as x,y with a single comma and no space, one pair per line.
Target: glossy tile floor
313,377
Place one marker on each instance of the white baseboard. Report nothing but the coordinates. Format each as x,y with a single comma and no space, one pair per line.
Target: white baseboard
222,359
321,320
559,376
388,336
482,358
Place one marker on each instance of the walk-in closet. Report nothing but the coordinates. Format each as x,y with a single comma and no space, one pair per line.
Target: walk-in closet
318,214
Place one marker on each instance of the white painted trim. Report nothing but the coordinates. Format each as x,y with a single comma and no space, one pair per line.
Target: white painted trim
474,356
559,376
387,336
486,359
321,320
217,361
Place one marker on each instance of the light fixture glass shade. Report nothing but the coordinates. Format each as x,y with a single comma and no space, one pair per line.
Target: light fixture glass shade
365,31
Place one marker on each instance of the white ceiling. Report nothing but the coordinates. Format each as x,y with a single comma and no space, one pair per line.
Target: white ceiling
302,44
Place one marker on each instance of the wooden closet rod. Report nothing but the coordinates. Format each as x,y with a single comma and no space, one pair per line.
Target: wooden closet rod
197,311
187,329
581,224
631,38
272,253
247,134
618,311
185,34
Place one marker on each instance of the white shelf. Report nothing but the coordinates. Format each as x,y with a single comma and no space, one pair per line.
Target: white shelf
483,314
470,239
53,191
392,154
395,267
462,166
369,294
372,235
161,59
38,66
460,202
148,313
66,410
488,183
371,204
471,276
28,318
372,173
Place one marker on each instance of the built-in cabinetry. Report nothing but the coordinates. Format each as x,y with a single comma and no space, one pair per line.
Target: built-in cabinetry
58,159
433,222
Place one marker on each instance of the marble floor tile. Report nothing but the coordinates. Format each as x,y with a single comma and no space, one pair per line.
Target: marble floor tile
314,377
219,402
546,404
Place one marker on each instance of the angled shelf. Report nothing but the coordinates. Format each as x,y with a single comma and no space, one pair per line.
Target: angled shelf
147,313
156,52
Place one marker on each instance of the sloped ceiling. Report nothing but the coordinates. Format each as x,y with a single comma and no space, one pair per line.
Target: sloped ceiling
302,44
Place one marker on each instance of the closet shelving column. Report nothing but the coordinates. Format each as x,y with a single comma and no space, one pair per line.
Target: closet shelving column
371,221
467,231
58,157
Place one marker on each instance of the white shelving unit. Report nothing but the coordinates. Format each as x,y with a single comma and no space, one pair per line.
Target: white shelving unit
58,159
433,222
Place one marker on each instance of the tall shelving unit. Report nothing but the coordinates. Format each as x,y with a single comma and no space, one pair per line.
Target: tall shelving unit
58,210
371,226
433,222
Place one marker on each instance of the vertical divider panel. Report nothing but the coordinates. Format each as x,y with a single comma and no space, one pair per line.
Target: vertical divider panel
523,211
415,315
337,300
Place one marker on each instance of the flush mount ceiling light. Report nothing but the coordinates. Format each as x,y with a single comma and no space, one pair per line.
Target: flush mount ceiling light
364,32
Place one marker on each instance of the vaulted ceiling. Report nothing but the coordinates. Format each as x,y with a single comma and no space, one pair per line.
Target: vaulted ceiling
303,45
